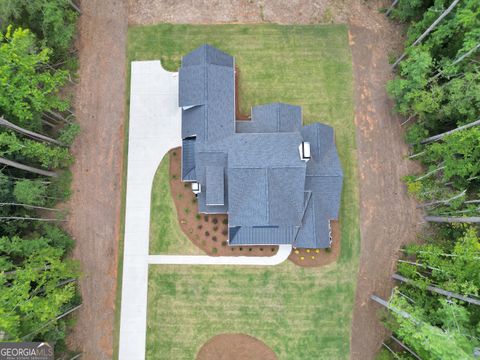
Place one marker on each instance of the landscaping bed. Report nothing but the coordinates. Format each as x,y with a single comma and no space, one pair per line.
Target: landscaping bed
208,232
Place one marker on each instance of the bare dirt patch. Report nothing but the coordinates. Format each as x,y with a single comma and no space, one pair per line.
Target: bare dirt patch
235,347
208,232
94,219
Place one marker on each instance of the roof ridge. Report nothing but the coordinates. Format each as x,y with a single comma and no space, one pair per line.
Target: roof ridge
266,195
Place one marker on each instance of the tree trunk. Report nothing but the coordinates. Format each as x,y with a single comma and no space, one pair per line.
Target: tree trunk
448,219
437,290
405,347
440,136
27,168
2,218
430,173
391,7
428,31
446,201
74,6
29,206
50,321
471,51
392,308
28,133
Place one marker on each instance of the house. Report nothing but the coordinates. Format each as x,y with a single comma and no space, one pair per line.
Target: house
278,181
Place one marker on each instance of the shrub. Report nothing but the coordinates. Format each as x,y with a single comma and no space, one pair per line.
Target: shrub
215,228
214,220
174,177
180,196
185,185
187,210
225,221
174,153
250,249
273,249
329,249
207,234
194,200
214,238
198,217
224,243
214,250
225,232
205,218
199,226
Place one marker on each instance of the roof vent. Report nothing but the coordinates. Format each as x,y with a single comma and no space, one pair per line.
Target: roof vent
196,188
304,149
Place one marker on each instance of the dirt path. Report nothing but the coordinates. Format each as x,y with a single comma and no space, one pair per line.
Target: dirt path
388,216
95,204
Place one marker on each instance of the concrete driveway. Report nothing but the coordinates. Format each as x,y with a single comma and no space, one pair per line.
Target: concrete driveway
154,128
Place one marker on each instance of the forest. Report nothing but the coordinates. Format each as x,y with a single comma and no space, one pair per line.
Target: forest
38,280
434,310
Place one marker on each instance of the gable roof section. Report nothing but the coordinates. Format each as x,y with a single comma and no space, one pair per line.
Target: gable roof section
193,122
188,159
272,118
192,86
247,195
261,235
262,150
207,54
215,187
285,195
220,103
325,160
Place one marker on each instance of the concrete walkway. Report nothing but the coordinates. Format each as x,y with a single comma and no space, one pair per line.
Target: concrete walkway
154,128
282,255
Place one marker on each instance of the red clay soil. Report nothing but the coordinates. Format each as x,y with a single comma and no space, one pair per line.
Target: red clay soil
235,347
388,216
207,232
94,219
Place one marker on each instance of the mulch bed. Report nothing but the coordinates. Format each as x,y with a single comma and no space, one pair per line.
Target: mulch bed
207,232
235,347
210,232
319,257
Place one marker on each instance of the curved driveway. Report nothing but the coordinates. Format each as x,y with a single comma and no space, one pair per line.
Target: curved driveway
154,128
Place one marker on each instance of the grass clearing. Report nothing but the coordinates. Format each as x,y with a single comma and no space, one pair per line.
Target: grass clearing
166,236
300,313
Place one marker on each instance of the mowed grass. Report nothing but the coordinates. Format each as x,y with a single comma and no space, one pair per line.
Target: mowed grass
166,236
300,313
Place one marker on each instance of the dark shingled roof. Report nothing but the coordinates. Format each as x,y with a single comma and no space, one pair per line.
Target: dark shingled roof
215,186
272,118
252,170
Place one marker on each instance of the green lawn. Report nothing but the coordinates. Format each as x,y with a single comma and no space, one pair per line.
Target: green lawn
300,313
166,236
